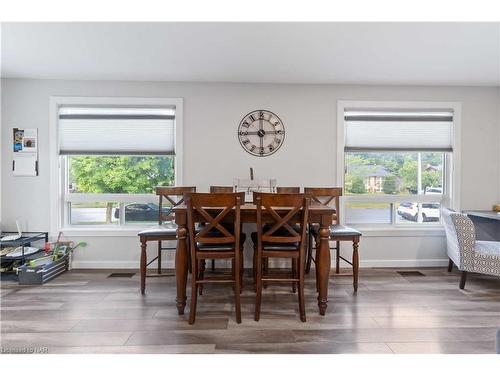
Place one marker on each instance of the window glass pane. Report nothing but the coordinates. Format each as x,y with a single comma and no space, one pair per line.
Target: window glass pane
393,173
432,172
119,174
411,212
367,212
93,213
142,213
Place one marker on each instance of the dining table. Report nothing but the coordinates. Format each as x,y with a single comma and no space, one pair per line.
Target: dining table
319,214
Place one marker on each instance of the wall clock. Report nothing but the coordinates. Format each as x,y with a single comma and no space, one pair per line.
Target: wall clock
261,133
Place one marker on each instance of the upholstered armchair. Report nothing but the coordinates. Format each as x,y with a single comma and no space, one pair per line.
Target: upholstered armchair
468,254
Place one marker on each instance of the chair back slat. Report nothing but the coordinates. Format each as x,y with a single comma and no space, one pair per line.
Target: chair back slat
211,209
221,189
174,195
288,190
283,210
325,197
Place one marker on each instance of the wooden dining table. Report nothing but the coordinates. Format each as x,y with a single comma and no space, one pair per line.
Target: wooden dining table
318,214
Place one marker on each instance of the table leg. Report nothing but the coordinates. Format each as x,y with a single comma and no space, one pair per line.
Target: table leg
181,267
143,265
355,263
323,268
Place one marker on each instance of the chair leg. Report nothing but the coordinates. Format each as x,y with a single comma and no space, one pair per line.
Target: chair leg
309,251
242,271
159,257
463,279
213,265
254,269
194,295
237,286
337,258
143,266
233,272
258,287
201,266
294,275
450,265
265,271
302,308
317,273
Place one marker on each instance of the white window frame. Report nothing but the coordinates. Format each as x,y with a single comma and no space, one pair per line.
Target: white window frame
58,169
450,198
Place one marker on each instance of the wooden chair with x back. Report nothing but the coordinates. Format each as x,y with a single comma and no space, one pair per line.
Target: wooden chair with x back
217,190
288,190
221,189
282,240
214,241
166,230
327,197
280,190
338,232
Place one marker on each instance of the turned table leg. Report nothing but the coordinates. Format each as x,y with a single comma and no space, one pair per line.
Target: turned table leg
323,268
181,267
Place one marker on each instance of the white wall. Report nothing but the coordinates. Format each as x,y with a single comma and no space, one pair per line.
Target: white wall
212,154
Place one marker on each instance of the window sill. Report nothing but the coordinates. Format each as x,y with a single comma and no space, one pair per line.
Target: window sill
400,231
102,232
367,231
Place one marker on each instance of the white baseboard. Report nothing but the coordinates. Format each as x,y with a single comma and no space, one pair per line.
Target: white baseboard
403,263
369,263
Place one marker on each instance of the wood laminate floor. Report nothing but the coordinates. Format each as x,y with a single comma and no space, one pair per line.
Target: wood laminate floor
87,312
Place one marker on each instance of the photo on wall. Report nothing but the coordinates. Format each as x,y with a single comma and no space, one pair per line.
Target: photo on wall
25,152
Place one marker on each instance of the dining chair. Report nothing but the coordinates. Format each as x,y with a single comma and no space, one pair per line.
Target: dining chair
325,197
280,190
166,230
216,190
287,189
221,189
281,240
467,253
214,241
337,232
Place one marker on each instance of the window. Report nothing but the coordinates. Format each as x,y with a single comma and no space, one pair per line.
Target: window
397,162
112,155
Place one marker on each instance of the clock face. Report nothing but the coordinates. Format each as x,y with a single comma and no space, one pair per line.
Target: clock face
261,133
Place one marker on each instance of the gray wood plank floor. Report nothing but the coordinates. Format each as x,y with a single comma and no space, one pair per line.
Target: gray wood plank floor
87,312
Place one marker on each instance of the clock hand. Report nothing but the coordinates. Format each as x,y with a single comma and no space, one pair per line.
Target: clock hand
257,133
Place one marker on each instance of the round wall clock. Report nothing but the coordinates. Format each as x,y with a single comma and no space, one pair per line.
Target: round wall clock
261,133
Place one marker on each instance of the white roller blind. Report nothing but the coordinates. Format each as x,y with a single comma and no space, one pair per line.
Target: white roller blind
113,131
398,130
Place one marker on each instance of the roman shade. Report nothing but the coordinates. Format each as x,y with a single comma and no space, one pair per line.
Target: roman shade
116,131
369,130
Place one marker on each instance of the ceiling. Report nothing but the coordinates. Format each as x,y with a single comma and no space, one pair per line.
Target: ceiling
342,53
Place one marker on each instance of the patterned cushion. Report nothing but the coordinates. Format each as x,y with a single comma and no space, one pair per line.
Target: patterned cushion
466,236
452,248
488,248
487,264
